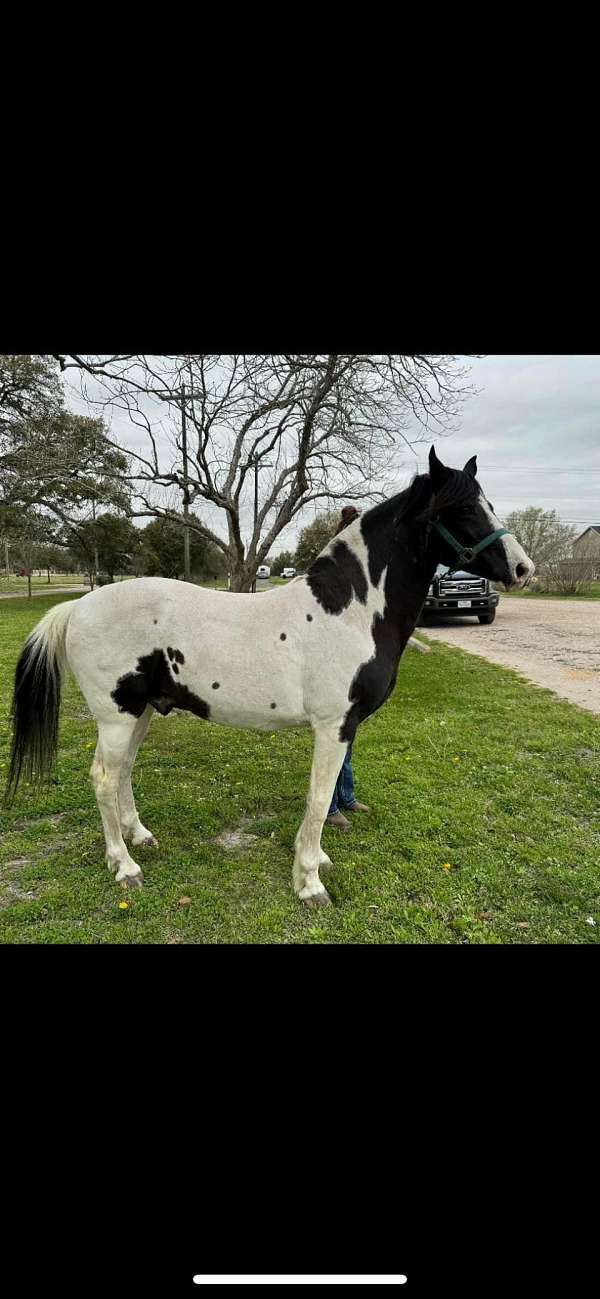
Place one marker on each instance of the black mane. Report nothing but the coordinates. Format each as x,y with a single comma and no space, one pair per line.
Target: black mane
419,502
415,506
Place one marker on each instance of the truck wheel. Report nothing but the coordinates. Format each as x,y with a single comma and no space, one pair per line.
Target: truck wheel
487,618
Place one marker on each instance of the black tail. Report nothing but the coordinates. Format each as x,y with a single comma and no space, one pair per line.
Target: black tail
36,704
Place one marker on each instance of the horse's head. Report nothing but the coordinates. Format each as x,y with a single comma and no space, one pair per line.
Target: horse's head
467,533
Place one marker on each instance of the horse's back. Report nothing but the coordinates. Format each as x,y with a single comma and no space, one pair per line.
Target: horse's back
241,655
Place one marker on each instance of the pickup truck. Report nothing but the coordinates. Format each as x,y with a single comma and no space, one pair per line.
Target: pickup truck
461,594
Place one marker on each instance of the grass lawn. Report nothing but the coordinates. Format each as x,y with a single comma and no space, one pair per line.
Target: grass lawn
485,825
13,583
591,593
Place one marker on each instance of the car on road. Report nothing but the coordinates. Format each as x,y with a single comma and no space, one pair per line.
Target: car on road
263,570
288,572
460,594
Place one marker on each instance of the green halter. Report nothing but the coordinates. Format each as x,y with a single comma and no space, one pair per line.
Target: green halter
466,554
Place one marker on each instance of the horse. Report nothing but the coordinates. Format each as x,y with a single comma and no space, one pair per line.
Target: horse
322,651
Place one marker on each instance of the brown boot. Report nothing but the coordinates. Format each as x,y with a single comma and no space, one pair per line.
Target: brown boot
358,807
340,822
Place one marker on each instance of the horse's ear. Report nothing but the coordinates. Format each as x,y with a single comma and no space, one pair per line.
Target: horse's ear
437,471
471,467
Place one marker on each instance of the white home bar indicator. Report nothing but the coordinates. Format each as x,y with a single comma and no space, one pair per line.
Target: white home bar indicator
341,1279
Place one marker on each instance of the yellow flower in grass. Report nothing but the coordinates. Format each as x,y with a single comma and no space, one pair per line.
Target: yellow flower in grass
446,866
123,906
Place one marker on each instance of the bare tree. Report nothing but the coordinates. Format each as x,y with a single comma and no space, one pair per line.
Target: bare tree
267,435
542,535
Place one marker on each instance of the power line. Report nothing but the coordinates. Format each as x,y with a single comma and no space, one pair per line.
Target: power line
526,465
537,469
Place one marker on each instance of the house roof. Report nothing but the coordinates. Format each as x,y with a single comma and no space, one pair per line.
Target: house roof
594,527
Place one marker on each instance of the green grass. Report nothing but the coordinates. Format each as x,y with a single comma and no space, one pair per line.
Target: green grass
14,583
466,766
591,593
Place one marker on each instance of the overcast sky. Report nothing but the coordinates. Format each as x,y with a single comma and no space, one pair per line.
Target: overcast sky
535,429
534,426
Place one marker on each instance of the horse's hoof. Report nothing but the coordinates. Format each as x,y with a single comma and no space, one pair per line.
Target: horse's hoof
318,899
131,881
149,842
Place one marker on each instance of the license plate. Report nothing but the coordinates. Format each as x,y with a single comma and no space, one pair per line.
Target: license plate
464,604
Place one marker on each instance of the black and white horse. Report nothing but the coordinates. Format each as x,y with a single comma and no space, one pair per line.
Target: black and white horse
323,650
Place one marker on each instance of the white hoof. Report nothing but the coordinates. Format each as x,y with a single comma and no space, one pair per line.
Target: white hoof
314,897
128,878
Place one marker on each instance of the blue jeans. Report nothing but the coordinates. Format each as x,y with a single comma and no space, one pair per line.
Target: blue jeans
343,794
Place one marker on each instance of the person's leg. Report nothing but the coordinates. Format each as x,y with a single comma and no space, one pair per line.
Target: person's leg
335,815
347,797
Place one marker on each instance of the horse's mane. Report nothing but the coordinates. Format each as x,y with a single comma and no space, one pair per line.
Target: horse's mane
417,503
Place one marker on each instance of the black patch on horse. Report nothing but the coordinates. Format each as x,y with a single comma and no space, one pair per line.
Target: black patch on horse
374,681
334,579
153,684
175,656
398,542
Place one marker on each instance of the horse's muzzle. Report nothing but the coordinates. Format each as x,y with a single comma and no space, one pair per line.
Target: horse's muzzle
522,574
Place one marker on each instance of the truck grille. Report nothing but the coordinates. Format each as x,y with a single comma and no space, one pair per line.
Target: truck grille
474,587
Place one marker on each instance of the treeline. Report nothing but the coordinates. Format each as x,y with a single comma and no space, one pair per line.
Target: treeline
111,546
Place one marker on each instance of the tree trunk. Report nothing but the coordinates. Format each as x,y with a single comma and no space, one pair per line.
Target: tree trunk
29,586
241,578
48,572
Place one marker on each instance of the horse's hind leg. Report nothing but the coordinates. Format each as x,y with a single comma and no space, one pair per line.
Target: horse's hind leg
328,757
131,826
111,753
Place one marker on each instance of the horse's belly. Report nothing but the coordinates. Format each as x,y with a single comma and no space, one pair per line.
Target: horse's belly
264,711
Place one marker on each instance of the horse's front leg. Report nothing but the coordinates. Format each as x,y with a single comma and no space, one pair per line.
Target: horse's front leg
329,753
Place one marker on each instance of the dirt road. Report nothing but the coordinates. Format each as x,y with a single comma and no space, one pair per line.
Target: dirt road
555,643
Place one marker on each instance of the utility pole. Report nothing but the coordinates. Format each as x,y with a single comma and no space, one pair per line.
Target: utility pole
94,577
96,560
255,461
186,505
6,558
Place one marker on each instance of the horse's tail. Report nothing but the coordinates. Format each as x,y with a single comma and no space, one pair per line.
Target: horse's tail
36,699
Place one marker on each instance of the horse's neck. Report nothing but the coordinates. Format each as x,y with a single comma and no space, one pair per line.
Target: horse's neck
402,555
407,556
408,579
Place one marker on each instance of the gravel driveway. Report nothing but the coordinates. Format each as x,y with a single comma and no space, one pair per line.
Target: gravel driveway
555,643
